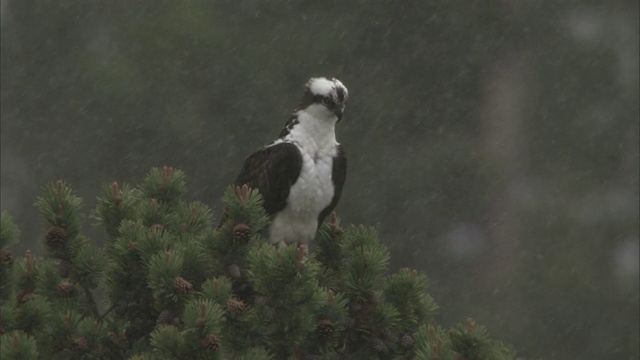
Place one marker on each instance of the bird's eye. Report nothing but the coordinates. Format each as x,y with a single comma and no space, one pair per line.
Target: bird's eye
327,101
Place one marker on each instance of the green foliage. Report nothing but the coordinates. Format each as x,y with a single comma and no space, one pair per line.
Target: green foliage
9,232
405,290
89,266
244,205
114,205
432,343
365,262
16,345
256,354
34,314
203,315
473,343
7,316
60,207
197,338
217,289
176,288
25,272
164,269
167,340
165,184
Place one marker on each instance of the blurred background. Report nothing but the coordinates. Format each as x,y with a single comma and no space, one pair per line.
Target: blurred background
493,144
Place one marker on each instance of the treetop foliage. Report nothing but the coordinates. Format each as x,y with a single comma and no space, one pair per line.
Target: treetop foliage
167,284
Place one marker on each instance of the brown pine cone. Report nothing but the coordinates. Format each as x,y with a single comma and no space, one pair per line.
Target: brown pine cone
6,257
210,342
235,306
324,329
377,344
56,235
165,317
241,234
406,340
25,297
66,288
80,343
181,285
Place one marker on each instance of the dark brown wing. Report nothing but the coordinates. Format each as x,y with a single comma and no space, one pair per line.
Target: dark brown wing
272,170
338,176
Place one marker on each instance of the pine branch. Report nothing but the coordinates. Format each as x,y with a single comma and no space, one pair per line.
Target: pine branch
92,302
109,310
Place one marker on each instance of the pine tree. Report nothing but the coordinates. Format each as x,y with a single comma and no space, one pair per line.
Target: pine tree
168,285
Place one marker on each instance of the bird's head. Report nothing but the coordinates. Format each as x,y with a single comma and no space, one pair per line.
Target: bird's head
325,96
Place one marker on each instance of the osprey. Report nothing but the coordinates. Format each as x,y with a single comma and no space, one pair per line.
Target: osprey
301,174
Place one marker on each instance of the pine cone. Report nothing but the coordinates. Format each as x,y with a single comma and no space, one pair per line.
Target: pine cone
165,317
25,297
241,234
233,270
210,342
377,344
6,257
56,235
80,343
235,306
66,288
324,329
181,285
406,340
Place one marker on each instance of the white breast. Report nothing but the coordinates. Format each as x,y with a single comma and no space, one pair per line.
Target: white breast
314,135
311,193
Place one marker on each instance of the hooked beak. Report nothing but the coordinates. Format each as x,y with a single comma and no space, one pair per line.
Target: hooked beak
338,112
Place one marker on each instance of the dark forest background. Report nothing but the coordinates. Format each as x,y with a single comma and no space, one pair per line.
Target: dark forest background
493,144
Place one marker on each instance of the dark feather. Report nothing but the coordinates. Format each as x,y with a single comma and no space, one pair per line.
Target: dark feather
338,176
293,121
272,170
